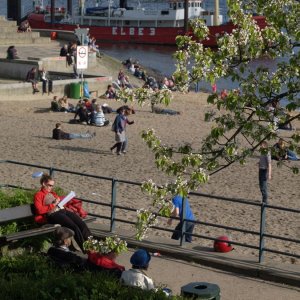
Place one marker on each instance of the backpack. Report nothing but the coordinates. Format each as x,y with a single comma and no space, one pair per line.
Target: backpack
113,126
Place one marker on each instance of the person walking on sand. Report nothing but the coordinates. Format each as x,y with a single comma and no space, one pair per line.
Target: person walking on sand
265,170
118,128
125,121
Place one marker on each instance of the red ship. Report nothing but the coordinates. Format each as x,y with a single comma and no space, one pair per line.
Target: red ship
110,23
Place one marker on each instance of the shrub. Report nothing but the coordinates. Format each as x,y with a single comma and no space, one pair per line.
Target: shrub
31,276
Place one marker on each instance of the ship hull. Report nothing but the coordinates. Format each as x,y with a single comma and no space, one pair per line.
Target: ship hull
137,35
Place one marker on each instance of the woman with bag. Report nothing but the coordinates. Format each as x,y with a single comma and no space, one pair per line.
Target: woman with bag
119,129
47,210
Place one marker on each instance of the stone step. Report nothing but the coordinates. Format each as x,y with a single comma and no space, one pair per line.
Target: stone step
9,29
41,40
16,35
6,23
24,40
2,18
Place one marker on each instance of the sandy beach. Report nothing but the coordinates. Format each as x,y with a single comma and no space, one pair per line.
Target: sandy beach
26,129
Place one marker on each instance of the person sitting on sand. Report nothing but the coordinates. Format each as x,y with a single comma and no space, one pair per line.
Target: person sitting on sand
137,276
110,92
94,105
59,134
280,151
83,113
98,117
123,80
64,105
106,109
168,83
54,104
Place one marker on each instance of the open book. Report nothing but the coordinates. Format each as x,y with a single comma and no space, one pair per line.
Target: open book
66,199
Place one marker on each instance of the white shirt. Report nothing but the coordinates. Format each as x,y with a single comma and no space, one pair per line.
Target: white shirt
136,277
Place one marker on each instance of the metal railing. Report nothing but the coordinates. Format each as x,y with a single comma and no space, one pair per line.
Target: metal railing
113,206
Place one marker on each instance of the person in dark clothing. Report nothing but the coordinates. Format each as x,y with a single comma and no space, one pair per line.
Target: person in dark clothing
64,50
12,53
61,254
31,77
83,114
58,134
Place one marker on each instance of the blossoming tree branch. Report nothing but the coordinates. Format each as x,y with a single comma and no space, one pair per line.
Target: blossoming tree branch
242,118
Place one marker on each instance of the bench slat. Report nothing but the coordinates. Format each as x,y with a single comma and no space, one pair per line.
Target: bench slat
30,232
16,213
25,211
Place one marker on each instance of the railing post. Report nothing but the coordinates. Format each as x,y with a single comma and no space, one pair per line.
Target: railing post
51,171
183,220
113,204
262,231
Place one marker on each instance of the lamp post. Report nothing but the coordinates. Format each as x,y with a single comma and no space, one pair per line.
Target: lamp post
186,16
52,12
217,12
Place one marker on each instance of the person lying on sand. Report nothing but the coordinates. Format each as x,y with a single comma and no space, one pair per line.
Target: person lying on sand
58,134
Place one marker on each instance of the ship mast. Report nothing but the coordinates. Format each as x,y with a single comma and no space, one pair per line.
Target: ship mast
217,12
186,16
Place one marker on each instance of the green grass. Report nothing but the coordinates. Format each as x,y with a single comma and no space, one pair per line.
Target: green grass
32,276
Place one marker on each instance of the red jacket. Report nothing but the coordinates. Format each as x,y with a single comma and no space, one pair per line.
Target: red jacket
41,209
103,261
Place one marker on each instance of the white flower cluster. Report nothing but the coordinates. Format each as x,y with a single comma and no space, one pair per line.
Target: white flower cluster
109,244
145,220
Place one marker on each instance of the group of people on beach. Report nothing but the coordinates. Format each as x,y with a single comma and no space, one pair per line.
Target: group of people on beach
149,81
91,113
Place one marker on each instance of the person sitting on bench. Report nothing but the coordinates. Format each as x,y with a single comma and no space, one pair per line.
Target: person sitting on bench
47,211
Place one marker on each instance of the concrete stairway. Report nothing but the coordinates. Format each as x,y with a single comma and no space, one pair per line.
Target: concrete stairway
10,36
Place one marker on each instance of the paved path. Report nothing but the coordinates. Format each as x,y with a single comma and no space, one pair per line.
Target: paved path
257,280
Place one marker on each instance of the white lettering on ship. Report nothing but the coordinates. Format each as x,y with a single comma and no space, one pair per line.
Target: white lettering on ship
133,31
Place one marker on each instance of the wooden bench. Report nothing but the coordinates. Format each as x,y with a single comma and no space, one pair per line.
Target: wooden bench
23,212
